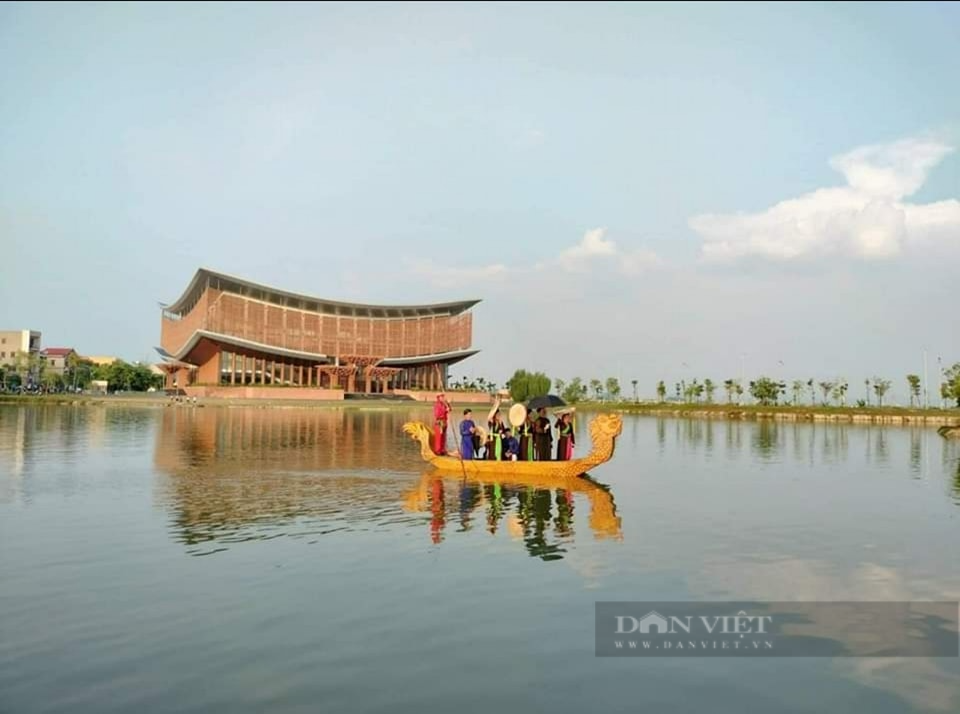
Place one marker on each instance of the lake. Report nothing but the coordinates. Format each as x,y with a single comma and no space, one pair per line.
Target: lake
182,559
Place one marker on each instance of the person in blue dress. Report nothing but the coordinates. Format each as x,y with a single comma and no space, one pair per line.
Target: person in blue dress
467,430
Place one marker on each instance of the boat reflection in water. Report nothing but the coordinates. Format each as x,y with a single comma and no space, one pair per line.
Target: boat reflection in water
529,508
246,474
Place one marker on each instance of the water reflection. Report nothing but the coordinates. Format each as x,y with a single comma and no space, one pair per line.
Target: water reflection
539,511
235,475
807,442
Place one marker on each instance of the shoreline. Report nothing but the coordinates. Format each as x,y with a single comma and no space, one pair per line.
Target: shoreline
756,412
734,412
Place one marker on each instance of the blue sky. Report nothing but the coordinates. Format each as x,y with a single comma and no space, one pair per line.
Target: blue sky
628,187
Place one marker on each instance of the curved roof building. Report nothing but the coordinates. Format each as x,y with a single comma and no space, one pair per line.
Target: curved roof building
227,331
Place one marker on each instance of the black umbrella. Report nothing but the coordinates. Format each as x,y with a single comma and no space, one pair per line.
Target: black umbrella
548,401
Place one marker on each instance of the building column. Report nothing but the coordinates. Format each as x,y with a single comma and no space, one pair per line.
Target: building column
233,368
367,381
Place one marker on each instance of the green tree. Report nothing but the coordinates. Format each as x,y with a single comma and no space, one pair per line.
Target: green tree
738,388
826,388
950,387
574,391
661,391
729,385
613,388
559,385
597,386
913,380
633,382
29,366
525,385
866,384
693,391
765,390
52,381
880,387
840,392
813,394
709,387
797,388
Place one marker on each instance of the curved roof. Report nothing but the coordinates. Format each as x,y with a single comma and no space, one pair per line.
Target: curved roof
187,347
266,293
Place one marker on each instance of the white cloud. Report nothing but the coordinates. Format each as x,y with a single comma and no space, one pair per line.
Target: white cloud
593,244
865,219
443,276
592,249
639,261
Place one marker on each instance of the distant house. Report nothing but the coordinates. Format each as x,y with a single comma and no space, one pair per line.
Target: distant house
14,341
57,358
99,386
101,360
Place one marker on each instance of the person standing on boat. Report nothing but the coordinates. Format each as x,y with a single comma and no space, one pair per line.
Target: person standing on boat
441,415
467,431
525,437
565,437
498,433
542,435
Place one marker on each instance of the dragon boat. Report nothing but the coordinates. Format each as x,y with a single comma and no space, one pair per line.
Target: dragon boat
604,430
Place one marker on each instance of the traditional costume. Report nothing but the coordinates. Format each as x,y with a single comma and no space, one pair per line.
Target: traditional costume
542,438
565,440
497,432
525,437
441,413
466,437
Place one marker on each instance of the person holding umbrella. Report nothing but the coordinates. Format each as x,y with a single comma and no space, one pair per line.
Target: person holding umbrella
542,434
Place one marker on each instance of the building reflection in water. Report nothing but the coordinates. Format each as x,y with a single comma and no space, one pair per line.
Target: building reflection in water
241,474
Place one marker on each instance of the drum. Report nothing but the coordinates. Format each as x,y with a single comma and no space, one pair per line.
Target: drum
518,414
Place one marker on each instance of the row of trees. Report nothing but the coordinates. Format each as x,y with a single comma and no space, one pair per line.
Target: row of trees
472,384
31,370
524,385
769,391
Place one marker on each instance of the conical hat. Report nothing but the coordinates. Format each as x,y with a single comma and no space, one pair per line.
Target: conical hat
518,414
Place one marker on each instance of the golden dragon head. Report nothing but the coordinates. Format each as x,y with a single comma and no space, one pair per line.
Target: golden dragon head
605,427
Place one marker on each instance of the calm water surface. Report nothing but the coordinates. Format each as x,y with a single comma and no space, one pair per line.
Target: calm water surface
291,560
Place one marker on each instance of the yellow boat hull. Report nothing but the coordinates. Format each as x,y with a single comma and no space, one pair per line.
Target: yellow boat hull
528,469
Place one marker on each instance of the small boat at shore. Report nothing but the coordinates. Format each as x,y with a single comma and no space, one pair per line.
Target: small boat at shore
604,430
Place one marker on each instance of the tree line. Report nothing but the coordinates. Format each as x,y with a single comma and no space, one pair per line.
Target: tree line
30,370
524,385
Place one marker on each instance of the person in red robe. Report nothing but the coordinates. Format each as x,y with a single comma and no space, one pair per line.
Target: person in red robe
441,417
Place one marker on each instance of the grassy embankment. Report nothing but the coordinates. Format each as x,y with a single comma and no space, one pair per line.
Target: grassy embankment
785,412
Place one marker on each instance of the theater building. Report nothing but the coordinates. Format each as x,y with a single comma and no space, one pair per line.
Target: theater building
228,336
